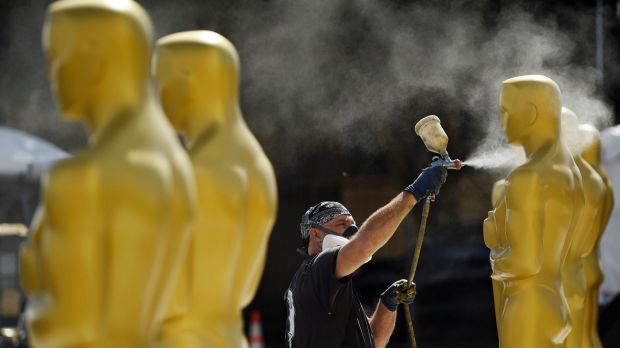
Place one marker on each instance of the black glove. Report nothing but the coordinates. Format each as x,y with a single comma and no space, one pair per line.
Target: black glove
399,292
429,181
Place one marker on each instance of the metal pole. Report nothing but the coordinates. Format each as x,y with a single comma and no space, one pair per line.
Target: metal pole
412,340
414,264
418,245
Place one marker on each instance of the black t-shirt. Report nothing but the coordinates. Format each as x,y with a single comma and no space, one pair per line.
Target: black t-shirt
323,311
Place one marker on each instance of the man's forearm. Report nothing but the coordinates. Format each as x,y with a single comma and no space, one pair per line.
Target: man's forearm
380,226
382,325
373,234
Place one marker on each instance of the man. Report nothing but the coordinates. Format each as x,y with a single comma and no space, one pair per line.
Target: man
323,307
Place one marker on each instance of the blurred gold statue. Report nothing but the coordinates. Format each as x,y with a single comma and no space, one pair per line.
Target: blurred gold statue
592,267
496,241
113,226
198,78
541,203
586,232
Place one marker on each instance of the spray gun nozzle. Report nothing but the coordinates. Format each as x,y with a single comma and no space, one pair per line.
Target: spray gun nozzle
457,164
448,164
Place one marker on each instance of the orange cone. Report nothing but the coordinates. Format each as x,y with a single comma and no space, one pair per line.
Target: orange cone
256,331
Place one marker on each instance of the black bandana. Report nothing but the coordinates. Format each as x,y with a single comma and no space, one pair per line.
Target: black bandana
320,214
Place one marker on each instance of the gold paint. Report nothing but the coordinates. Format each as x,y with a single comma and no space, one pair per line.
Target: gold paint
198,77
584,238
114,221
496,241
542,199
592,267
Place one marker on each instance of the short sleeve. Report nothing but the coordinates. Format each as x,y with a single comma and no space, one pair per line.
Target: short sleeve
323,274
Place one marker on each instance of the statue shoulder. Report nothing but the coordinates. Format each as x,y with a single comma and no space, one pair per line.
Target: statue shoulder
524,177
222,189
71,189
263,190
72,173
593,183
228,176
265,174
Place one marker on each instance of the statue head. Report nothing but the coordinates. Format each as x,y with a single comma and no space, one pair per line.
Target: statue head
529,107
570,131
98,53
197,74
591,149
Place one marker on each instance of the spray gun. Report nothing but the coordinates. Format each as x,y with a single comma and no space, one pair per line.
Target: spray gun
435,138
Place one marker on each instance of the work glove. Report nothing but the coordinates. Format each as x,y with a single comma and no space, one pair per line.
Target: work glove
399,292
428,182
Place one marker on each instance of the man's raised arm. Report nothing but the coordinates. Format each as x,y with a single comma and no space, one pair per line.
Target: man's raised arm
382,224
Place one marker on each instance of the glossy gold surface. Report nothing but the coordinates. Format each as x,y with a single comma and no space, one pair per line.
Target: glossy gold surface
113,226
198,76
496,241
585,236
540,206
592,268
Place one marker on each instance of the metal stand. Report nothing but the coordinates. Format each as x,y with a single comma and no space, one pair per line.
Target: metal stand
414,264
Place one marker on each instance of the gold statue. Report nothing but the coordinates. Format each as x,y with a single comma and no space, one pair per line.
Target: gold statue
496,242
198,78
113,226
585,235
541,203
592,267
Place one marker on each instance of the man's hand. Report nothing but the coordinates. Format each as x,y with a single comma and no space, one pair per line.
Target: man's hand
399,292
428,182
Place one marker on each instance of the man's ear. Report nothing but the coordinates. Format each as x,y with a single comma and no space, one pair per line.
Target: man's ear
316,233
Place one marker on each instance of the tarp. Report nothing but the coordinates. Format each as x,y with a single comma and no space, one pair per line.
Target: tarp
25,155
609,246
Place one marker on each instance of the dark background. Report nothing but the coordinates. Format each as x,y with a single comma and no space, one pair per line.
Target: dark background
332,90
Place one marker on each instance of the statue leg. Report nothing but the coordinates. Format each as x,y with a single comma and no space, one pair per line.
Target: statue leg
533,316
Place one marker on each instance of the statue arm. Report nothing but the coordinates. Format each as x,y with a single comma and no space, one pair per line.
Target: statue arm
256,276
598,226
28,267
72,248
524,217
264,223
491,225
490,238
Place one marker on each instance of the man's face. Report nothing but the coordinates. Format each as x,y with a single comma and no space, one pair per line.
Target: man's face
339,224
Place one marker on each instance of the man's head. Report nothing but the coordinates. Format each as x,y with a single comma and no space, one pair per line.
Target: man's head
323,219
